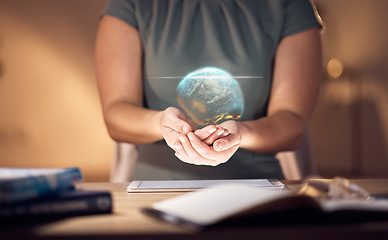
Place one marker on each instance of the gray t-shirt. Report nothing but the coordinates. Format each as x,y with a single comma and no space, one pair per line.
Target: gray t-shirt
214,60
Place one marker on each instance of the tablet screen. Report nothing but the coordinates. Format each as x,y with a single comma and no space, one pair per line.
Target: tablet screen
190,185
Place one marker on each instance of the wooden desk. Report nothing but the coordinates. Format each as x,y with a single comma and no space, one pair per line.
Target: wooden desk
127,222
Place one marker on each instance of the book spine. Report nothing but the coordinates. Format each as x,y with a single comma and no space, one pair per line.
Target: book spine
43,184
96,204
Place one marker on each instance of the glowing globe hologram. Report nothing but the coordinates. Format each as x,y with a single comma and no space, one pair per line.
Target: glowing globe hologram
210,96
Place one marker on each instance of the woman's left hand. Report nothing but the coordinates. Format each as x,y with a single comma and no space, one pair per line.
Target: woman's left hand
193,150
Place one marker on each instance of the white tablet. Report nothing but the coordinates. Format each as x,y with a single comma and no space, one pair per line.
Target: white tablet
191,185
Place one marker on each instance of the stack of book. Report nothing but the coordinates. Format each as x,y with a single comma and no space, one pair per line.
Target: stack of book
49,192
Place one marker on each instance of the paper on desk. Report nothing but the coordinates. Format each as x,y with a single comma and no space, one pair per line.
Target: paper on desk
215,204
211,205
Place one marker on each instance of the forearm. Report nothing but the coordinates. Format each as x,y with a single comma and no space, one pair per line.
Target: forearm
295,88
282,131
133,124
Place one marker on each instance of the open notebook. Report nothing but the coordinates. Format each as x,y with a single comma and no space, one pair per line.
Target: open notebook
191,185
242,204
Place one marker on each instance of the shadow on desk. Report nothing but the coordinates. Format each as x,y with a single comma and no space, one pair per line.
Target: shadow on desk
27,224
304,217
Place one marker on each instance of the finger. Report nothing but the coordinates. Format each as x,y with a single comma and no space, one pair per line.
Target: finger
184,157
226,133
189,154
193,127
205,132
178,146
182,126
186,124
199,147
216,135
208,152
171,137
225,143
176,120
181,154
202,148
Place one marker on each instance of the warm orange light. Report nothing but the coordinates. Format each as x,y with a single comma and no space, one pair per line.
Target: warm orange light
335,68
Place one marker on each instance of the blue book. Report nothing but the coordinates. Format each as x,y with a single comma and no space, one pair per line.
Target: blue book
21,184
63,204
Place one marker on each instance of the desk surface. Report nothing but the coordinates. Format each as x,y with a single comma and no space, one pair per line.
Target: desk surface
128,222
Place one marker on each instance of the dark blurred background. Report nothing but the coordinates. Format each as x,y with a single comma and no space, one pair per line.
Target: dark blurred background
50,112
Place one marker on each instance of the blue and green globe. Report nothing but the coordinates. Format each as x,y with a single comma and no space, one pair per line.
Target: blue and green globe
210,96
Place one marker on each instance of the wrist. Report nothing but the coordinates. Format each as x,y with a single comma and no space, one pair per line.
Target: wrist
155,124
245,129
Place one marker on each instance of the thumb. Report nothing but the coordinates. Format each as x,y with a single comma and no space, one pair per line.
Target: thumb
184,127
224,143
175,119
218,145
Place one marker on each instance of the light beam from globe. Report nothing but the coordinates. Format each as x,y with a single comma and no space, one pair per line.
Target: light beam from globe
210,95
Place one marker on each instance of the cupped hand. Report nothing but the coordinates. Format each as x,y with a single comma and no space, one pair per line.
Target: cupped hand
174,124
191,149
